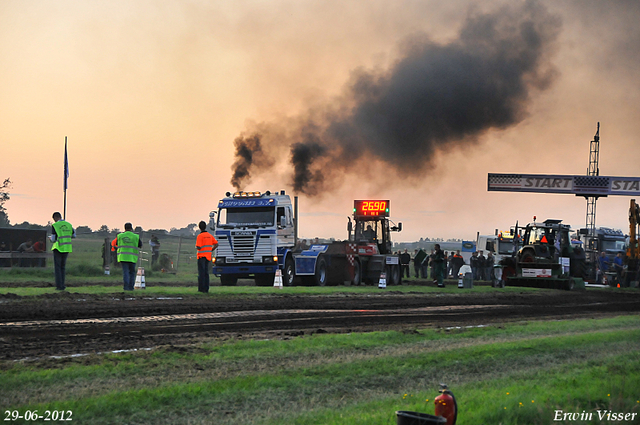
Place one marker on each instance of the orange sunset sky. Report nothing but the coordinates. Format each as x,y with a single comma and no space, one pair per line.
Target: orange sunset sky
152,95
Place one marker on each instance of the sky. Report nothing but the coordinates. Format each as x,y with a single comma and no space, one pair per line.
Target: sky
414,101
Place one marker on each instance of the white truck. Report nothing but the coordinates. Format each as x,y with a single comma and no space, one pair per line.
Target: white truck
499,245
256,235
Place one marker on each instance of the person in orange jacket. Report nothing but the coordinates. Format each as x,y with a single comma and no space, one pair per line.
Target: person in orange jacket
205,244
114,249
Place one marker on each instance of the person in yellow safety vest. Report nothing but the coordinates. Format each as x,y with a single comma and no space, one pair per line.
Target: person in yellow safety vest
61,234
205,244
128,244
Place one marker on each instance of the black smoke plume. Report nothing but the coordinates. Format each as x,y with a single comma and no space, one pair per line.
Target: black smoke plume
248,154
435,98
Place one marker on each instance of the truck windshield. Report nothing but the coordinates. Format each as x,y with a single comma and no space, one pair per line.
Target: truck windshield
505,247
613,245
246,217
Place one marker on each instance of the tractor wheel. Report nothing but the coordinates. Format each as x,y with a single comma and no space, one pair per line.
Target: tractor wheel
528,256
228,280
321,272
579,268
289,272
394,275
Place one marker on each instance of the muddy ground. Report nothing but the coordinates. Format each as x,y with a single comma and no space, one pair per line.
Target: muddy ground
67,324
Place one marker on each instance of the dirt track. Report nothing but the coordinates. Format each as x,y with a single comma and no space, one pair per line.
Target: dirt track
64,324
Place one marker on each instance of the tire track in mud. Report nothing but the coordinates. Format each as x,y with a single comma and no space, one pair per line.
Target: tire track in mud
33,339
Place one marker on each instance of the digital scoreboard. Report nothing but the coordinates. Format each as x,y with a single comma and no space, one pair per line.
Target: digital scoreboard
371,208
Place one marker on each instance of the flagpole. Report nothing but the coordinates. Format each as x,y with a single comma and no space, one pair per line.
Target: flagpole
66,174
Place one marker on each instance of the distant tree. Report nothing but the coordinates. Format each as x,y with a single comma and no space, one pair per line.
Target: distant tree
115,231
138,229
157,231
27,225
103,230
83,230
4,197
188,231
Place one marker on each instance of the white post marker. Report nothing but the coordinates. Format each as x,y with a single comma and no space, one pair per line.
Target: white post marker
140,279
383,280
277,282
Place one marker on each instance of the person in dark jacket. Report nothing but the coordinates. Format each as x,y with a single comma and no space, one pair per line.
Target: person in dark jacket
405,259
488,266
417,265
456,263
439,265
473,262
449,272
428,264
481,265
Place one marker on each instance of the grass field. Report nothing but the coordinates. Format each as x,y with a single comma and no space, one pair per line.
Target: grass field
525,373
85,263
511,374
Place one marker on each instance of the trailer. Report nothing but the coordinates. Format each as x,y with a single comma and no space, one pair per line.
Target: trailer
11,255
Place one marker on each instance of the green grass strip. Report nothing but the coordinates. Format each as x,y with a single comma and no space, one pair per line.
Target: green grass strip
335,386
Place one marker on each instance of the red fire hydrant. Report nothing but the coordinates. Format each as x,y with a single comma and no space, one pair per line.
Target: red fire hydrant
446,405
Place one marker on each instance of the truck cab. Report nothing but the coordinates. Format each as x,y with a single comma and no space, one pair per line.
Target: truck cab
608,240
500,245
255,233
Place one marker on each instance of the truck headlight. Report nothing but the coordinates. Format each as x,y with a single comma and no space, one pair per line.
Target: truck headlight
219,260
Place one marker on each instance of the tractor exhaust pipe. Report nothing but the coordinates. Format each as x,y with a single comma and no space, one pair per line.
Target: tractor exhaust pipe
295,221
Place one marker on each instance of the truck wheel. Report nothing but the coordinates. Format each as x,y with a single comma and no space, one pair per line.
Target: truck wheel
289,272
357,275
265,279
321,272
227,280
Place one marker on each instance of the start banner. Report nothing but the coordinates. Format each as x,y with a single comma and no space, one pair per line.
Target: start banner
577,185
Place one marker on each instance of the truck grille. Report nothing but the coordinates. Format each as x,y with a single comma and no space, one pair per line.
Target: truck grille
243,244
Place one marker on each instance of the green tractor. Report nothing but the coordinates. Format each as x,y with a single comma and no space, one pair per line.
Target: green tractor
544,257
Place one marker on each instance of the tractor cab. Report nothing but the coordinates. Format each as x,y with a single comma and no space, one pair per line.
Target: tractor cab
372,225
545,241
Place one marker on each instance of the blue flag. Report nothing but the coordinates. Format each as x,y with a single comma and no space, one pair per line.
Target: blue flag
66,164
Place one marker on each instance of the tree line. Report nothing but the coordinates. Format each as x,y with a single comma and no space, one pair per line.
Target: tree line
104,230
